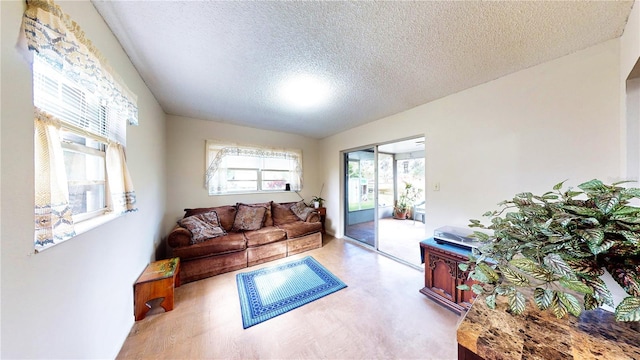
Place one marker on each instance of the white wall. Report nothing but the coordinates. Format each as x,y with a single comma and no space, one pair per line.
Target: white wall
523,132
74,300
186,164
630,96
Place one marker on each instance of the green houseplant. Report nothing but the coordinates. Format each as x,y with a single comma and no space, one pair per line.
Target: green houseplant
405,201
317,201
557,246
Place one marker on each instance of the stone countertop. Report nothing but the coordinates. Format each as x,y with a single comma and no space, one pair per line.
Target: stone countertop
496,334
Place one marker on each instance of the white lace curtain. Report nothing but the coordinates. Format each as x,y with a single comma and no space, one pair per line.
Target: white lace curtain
53,223
123,196
218,151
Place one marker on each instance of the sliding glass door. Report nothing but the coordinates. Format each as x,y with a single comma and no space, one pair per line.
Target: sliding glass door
360,172
375,179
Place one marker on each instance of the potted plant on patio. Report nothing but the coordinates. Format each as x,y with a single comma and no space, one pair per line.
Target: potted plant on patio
554,248
405,201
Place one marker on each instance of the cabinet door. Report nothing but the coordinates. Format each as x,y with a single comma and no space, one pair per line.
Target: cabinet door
440,275
466,297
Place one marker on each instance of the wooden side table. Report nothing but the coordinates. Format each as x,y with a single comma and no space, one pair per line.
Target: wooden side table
158,280
323,216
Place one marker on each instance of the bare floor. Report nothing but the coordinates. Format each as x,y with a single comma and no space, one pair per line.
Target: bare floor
398,238
380,314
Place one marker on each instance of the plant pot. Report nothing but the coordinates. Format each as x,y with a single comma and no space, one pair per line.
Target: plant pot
316,204
400,215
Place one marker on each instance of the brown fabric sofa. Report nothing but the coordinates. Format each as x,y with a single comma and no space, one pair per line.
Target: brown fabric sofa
281,233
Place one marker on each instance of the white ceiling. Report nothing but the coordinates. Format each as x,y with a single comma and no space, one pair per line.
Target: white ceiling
225,61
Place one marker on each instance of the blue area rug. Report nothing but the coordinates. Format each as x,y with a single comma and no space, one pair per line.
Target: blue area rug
272,291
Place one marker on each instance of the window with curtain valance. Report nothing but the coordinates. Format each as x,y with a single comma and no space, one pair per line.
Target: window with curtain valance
235,168
81,108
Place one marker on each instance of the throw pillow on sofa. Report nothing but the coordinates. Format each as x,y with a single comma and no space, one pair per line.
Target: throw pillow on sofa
249,217
302,210
203,226
282,214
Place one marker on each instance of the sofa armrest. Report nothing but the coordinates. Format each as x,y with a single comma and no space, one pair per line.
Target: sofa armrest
313,216
179,237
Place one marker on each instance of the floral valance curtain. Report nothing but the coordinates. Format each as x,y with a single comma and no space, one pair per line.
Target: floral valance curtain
218,151
53,221
53,35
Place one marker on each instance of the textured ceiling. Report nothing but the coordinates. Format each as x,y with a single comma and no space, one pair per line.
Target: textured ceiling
225,61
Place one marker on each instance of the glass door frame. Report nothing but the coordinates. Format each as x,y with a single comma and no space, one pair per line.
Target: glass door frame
345,190
345,194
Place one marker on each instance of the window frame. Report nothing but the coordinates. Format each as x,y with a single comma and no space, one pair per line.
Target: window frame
68,145
213,150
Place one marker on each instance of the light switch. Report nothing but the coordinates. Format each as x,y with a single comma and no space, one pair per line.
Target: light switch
436,186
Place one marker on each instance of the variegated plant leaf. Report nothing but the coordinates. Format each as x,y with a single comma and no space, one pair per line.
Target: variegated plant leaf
585,267
600,290
504,289
584,211
576,285
628,309
626,211
558,186
524,264
481,236
557,307
630,236
491,301
491,274
626,219
558,265
543,298
570,303
592,185
592,236
607,204
543,274
517,302
477,289
630,193
599,249
513,276
591,302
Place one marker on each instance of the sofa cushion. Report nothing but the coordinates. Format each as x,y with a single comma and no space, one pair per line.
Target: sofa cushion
266,235
300,228
301,210
282,214
220,245
249,217
268,219
203,226
226,214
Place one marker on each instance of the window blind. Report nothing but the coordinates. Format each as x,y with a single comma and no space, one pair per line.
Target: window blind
75,104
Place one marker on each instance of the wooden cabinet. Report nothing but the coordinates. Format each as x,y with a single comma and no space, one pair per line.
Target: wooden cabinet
442,275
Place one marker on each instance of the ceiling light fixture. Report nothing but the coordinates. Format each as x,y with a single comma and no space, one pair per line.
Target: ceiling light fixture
305,91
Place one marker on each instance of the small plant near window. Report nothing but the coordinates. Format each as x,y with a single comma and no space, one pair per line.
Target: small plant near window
317,201
557,245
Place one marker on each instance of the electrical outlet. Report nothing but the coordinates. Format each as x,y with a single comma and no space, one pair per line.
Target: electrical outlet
436,186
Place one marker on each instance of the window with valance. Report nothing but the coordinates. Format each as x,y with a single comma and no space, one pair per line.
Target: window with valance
81,108
235,168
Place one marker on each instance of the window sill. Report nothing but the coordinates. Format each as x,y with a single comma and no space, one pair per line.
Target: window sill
254,192
84,226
